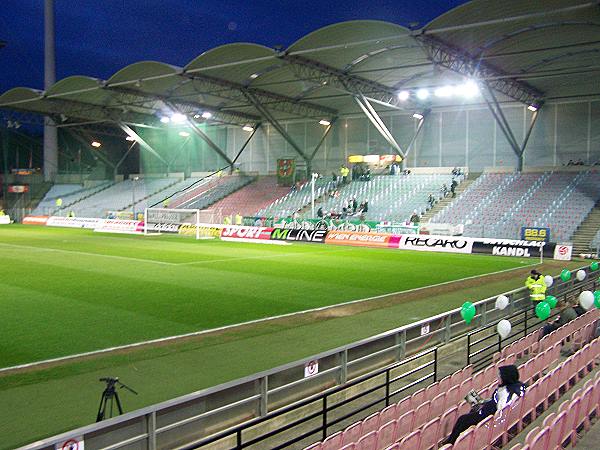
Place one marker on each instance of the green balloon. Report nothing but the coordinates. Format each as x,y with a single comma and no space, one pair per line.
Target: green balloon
542,310
551,300
467,311
594,265
565,275
597,299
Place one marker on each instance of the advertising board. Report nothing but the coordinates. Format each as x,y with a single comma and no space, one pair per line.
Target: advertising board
363,239
285,234
35,220
120,226
73,222
430,243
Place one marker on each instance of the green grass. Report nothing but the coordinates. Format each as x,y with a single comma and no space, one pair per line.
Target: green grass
57,303
71,291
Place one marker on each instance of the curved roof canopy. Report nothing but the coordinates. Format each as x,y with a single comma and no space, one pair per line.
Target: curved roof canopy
524,51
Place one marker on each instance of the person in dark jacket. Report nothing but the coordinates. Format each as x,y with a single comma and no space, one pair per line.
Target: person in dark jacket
510,389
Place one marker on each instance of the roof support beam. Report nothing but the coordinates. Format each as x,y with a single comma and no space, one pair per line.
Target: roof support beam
460,62
496,110
274,101
378,123
324,74
280,129
130,132
411,145
325,133
86,145
245,144
121,160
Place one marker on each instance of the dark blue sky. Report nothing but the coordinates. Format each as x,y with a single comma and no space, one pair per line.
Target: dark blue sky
98,37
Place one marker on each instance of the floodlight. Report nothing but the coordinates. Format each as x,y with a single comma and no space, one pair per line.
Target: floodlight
248,128
532,108
196,116
443,91
184,134
422,94
130,138
469,89
206,115
325,122
418,116
165,119
96,144
403,95
178,118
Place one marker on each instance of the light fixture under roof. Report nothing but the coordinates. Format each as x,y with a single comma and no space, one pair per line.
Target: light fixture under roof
403,95
178,118
325,122
248,128
165,119
418,116
184,134
532,108
469,89
443,91
96,144
206,115
130,138
196,116
422,94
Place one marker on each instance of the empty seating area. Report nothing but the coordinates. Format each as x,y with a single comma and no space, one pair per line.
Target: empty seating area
391,198
68,193
164,193
423,420
498,205
296,199
119,196
208,191
251,198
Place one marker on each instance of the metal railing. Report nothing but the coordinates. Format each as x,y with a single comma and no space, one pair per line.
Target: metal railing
483,342
207,413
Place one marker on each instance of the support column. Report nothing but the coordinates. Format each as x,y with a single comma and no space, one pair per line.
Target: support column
50,132
415,136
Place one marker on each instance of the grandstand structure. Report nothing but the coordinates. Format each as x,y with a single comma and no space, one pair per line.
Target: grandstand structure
507,91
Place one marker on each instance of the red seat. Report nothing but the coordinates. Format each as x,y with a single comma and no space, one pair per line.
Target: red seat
482,434
464,441
386,435
367,442
430,434
412,441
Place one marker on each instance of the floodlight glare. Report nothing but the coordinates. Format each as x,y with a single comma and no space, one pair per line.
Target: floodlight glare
196,116
532,108
206,115
422,94
443,91
184,134
178,118
469,89
418,116
130,138
403,95
248,128
165,119
96,144
325,122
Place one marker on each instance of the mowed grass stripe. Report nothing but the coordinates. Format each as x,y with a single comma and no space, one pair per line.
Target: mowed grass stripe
115,302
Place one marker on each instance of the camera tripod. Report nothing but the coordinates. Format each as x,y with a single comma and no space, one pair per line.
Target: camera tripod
109,397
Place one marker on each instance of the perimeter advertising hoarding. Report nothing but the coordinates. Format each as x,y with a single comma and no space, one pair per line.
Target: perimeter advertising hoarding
429,243
73,222
120,226
285,234
363,239
246,233
35,220
207,230
508,247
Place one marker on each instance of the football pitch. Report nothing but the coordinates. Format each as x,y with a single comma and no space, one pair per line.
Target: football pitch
68,291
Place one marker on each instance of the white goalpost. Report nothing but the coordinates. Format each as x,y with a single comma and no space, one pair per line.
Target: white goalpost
189,222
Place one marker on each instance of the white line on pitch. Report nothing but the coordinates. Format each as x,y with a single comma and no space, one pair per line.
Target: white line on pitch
75,252
250,322
277,255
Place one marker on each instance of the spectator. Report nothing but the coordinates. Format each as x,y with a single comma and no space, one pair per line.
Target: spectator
354,205
344,171
415,219
453,186
571,163
431,200
444,190
567,314
510,388
365,207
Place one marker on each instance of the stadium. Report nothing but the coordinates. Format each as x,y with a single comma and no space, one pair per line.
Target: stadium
341,243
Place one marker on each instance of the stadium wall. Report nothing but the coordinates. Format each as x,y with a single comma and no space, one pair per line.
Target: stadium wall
452,137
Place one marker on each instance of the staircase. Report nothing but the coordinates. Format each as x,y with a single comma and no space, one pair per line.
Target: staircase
447,200
586,231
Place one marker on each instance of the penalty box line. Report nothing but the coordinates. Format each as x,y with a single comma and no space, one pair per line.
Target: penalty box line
241,324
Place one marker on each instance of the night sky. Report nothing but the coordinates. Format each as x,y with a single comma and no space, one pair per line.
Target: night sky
99,37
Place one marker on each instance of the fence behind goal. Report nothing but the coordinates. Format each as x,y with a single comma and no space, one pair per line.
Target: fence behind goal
182,221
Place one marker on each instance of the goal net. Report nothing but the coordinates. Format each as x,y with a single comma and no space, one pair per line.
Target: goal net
188,222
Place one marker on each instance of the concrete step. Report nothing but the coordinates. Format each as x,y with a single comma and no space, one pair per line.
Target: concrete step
586,231
439,206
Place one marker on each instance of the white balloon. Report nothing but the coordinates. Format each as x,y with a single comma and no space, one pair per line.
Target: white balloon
548,280
580,275
501,302
504,328
586,299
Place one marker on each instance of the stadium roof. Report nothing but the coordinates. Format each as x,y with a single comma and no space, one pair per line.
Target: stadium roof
525,51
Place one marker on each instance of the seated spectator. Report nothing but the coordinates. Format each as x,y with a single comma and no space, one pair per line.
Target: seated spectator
567,313
510,388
